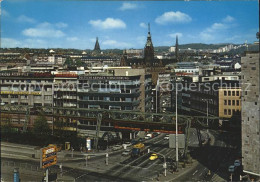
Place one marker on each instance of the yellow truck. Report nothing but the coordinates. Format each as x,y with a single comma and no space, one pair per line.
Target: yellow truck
138,150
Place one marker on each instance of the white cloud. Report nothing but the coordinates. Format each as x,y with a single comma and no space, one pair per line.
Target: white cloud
173,17
228,19
109,23
61,25
10,43
116,44
128,6
5,13
217,30
143,25
216,27
25,19
44,29
173,35
72,38
206,37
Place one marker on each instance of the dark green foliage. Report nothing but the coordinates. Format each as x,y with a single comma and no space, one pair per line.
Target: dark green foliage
69,61
41,127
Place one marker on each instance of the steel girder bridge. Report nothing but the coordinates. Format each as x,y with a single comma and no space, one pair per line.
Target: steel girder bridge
128,120
120,119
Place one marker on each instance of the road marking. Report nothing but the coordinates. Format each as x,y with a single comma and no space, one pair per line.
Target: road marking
81,176
195,172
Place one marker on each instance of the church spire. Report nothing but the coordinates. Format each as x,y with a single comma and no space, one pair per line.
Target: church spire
149,50
97,47
177,49
149,37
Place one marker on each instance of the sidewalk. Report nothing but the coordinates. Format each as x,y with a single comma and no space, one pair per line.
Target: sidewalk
172,176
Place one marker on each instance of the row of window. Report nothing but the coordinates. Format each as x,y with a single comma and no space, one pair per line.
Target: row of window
47,97
106,107
232,102
229,111
234,93
101,98
28,81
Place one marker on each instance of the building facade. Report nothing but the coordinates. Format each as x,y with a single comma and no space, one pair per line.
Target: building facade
251,113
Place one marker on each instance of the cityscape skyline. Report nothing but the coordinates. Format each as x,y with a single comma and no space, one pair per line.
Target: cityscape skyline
123,25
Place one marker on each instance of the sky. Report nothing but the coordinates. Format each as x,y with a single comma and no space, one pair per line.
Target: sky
123,24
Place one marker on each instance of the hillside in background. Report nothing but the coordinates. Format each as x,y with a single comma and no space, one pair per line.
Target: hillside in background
158,49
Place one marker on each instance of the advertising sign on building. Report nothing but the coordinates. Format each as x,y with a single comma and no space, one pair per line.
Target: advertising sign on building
48,156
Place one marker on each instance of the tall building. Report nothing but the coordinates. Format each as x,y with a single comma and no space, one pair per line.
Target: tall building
251,113
149,50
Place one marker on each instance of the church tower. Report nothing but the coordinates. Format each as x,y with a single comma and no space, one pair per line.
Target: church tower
177,49
97,47
148,50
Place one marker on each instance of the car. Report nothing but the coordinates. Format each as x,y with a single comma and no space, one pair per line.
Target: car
117,147
231,169
127,144
153,157
127,152
166,137
148,136
155,134
237,163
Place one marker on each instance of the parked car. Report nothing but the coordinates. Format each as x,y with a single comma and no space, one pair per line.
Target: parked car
237,163
127,152
153,157
231,169
166,137
117,147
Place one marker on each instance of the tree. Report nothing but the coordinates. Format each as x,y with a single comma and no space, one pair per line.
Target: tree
6,126
41,127
79,63
68,61
59,128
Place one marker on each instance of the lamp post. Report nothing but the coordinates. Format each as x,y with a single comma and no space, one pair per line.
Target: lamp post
207,101
164,159
176,123
156,96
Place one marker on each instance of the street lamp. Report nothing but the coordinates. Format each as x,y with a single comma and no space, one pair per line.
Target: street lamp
207,101
176,124
164,158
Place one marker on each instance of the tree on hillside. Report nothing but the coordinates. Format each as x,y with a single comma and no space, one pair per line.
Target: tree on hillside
41,126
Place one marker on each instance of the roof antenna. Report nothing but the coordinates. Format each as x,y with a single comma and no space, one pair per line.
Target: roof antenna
149,27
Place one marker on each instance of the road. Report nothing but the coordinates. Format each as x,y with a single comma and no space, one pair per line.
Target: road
216,158
119,167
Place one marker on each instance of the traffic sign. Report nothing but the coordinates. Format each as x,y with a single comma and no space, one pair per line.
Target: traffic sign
48,156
